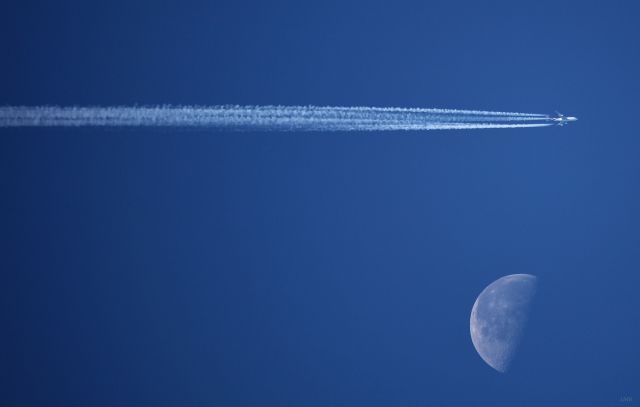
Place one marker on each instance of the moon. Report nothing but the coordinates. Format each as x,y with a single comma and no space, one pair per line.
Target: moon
499,316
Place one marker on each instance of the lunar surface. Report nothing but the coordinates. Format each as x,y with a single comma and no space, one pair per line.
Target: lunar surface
499,316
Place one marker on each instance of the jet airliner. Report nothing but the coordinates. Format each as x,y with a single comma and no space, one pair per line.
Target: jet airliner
561,119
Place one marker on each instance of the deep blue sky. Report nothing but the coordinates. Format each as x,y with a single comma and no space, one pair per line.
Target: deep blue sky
192,268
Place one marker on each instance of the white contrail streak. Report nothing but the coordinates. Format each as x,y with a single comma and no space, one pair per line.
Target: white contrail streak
268,118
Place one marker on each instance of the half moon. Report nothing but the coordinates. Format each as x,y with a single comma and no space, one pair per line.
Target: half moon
499,316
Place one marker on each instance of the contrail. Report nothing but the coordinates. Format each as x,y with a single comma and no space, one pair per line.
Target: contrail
268,118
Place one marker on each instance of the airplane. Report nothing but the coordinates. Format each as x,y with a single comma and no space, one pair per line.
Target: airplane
561,119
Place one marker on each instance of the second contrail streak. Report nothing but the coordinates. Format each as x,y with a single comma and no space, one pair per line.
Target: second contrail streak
268,118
